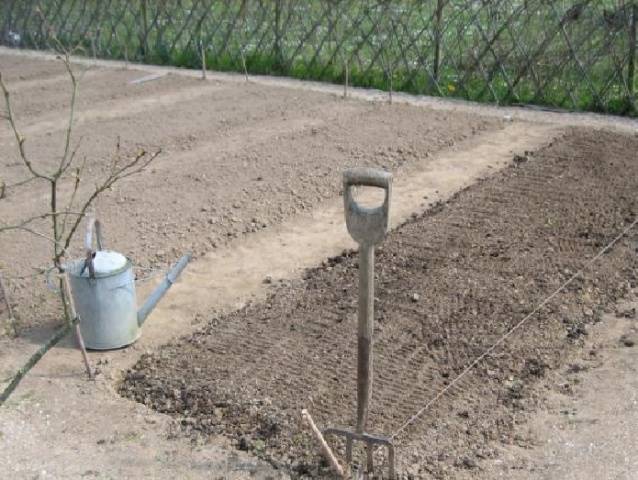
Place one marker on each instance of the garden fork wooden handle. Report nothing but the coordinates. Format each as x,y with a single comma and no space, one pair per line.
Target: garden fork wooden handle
367,226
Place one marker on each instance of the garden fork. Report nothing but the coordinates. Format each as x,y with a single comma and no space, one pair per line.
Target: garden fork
368,227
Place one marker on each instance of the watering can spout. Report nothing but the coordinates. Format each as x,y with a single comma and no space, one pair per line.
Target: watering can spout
162,288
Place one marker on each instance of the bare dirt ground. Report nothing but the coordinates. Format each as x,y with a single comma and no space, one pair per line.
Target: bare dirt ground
589,428
250,182
450,285
527,114
236,158
240,162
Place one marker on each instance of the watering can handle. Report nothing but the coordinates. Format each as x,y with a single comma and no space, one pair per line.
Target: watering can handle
92,224
367,226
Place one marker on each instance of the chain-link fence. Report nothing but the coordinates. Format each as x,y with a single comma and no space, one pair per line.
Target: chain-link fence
570,54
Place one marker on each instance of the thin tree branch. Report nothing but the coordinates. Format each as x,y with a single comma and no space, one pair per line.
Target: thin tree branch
32,232
21,182
42,216
76,185
67,157
19,138
71,157
131,168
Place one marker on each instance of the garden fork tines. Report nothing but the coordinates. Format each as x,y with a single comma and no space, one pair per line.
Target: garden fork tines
368,227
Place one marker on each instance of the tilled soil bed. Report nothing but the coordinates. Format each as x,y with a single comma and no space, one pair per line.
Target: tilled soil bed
450,285
236,159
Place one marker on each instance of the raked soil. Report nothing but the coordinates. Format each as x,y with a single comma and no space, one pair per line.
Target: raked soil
56,415
453,285
236,158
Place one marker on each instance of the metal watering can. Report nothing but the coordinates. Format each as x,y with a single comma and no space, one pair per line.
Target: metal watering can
103,291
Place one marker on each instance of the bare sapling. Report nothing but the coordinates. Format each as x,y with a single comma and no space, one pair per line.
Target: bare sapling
340,23
385,35
93,48
388,67
64,217
202,52
125,55
124,43
243,62
345,80
391,78
243,40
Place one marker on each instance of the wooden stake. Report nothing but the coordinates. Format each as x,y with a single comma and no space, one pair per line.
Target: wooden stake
324,445
93,49
203,54
345,84
85,357
243,63
78,333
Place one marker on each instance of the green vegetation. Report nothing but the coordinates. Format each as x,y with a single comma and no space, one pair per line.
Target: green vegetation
569,54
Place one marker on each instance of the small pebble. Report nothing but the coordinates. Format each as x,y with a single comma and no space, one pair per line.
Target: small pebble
628,340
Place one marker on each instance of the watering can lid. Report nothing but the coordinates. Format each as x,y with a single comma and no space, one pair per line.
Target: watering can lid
107,261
